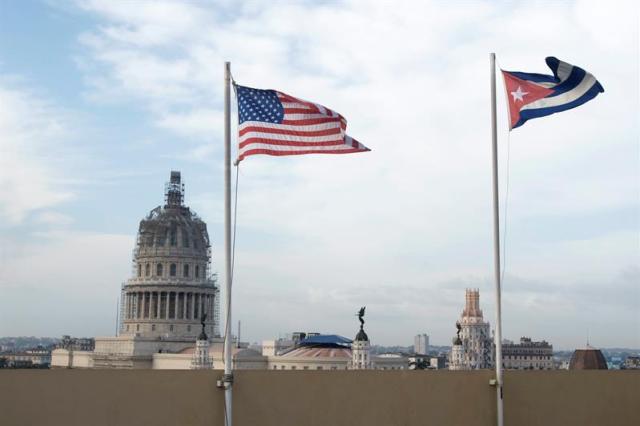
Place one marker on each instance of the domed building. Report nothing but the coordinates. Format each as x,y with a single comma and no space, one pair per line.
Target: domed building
588,358
171,288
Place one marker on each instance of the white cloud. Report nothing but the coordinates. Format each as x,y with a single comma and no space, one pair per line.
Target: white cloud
32,132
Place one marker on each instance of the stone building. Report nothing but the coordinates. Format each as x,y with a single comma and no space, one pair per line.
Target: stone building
475,349
171,287
527,355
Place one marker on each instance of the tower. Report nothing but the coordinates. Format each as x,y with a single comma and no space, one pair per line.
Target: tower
172,285
201,360
475,348
360,348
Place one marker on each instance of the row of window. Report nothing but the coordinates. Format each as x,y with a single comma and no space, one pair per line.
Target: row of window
170,235
153,328
527,357
333,367
173,270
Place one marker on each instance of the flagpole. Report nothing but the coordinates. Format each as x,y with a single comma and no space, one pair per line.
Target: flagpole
496,243
228,361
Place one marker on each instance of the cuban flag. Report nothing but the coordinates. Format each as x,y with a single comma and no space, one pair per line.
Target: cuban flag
537,95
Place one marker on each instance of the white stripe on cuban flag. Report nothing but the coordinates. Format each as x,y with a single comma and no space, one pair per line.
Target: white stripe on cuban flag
564,98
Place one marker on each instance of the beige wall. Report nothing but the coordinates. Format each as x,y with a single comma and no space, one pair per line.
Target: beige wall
283,398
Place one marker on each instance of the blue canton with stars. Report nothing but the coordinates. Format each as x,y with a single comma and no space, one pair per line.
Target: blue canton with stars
259,105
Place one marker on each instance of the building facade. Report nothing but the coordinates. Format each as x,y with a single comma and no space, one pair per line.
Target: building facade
527,355
421,344
473,347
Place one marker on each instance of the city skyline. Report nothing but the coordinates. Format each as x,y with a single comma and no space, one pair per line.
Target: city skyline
99,102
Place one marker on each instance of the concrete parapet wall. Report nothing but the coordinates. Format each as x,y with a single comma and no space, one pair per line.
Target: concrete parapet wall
283,398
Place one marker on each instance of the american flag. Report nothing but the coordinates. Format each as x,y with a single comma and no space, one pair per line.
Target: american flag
274,123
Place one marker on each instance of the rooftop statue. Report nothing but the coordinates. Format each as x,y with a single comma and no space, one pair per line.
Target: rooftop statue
360,315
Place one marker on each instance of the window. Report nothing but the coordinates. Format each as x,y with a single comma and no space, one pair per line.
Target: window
159,269
185,239
147,270
153,327
275,367
171,327
139,269
137,327
319,368
173,237
197,271
293,367
188,328
172,270
127,327
185,271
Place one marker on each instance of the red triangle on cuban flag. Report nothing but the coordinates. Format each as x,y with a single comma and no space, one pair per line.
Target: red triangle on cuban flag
520,93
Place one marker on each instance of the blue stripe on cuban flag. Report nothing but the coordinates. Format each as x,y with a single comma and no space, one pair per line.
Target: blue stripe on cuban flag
569,87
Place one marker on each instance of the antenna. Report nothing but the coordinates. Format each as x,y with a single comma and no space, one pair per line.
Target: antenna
238,343
117,314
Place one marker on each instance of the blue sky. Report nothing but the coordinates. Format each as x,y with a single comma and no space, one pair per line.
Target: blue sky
100,100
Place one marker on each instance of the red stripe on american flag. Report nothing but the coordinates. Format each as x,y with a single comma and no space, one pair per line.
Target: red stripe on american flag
311,121
281,153
250,141
326,132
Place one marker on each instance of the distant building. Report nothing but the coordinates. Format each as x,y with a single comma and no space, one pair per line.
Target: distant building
421,344
77,343
588,358
437,362
527,355
473,347
632,363
31,358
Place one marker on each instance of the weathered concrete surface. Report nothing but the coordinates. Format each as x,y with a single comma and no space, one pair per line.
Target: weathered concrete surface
283,398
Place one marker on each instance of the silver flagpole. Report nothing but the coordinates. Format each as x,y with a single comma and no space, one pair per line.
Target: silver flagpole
228,361
496,242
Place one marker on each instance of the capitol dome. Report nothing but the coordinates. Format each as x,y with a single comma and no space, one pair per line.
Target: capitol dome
172,287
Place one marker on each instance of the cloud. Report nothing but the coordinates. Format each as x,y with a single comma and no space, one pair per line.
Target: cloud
32,134
412,78
71,278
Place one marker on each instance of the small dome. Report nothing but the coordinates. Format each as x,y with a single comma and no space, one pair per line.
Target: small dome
588,359
361,336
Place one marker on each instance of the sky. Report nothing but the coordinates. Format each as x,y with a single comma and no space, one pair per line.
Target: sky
99,100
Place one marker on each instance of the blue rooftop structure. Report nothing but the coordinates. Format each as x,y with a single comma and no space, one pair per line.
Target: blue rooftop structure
325,339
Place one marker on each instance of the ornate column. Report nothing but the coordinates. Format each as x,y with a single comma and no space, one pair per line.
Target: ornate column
175,305
184,305
145,305
166,304
193,306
